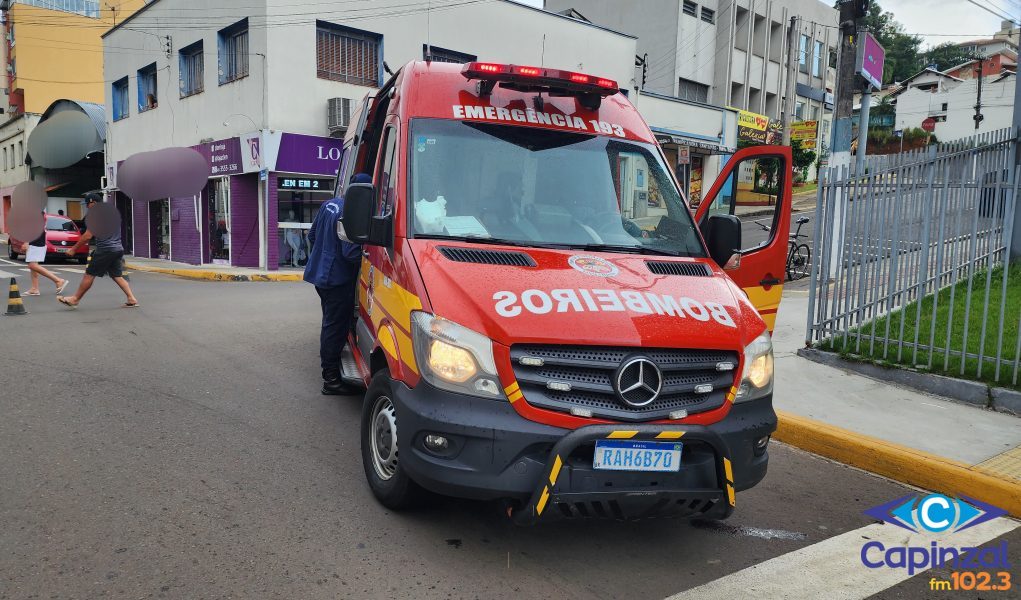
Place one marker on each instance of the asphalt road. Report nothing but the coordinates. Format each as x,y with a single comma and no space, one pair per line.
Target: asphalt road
182,450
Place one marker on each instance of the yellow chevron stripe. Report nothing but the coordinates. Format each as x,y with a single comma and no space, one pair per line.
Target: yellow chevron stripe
730,494
510,389
557,464
621,435
515,396
764,299
727,469
731,394
542,500
669,435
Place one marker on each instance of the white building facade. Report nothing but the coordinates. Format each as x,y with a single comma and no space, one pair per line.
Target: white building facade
953,107
269,76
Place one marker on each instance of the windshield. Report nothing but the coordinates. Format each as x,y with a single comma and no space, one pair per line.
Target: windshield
530,186
59,224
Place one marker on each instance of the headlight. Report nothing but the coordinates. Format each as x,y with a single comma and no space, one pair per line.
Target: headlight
453,357
757,376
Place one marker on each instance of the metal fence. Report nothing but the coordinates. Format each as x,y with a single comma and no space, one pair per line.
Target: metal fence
913,259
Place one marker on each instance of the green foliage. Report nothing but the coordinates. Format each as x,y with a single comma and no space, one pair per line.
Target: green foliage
803,158
944,56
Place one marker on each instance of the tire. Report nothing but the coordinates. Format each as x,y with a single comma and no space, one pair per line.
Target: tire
11,254
389,483
801,262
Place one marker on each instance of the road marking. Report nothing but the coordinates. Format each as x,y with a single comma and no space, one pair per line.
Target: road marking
833,568
9,262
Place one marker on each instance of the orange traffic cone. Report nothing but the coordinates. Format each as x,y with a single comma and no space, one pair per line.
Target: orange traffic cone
14,304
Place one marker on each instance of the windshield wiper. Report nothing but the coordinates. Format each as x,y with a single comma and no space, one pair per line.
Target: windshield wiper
625,249
478,239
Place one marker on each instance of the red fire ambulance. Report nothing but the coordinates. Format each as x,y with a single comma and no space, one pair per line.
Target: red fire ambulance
543,320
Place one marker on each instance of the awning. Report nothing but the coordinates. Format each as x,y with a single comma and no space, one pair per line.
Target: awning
695,143
66,134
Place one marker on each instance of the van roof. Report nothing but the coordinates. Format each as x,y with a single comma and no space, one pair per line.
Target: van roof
440,90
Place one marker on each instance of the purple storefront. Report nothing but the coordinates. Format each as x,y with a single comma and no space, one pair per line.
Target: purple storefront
290,174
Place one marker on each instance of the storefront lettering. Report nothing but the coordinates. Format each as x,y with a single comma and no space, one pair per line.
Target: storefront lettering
330,153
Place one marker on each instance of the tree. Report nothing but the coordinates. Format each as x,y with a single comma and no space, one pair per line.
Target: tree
803,157
902,49
945,56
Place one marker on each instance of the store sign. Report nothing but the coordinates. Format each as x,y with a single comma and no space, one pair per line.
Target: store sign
309,154
223,156
806,132
305,184
757,129
869,60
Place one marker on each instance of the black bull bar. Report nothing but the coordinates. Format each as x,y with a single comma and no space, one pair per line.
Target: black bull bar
631,503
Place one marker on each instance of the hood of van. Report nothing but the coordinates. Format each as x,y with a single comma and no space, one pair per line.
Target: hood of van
537,295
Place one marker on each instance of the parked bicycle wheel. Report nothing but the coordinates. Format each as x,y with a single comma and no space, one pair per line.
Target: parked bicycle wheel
800,262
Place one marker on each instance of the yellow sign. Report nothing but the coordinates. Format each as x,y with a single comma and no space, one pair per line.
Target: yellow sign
752,120
806,132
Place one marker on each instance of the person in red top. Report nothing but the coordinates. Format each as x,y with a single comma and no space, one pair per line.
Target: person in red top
35,253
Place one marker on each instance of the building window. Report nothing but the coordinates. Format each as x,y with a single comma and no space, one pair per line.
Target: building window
448,56
944,107
690,8
21,152
832,53
348,55
119,97
817,60
708,15
85,8
803,53
192,73
692,90
233,52
147,88
5,159
799,110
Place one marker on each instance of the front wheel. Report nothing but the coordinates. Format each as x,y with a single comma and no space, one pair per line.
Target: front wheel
389,482
11,254
800,262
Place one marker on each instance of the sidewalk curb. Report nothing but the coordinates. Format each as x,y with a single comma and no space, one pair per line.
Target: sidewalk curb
977,394
208,275
900,463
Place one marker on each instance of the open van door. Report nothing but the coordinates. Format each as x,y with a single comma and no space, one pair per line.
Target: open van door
755,186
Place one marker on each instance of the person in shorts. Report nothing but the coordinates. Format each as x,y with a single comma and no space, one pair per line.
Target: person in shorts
35,253
107,259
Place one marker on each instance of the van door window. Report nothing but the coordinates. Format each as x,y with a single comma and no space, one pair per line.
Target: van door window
387,173
751,192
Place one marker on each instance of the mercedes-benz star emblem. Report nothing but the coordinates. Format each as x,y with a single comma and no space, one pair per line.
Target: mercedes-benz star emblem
639,382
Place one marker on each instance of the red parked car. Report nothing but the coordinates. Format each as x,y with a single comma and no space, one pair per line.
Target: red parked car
61,234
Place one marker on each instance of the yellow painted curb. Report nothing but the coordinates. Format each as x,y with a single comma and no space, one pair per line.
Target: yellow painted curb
897,462
208,275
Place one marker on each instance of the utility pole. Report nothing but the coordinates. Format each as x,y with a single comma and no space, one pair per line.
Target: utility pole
850,11
790,89
978,98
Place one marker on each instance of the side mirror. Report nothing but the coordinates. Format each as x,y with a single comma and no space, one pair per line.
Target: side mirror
723,235
358,225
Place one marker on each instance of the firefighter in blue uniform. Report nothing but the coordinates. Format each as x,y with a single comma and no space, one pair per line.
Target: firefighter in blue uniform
332,268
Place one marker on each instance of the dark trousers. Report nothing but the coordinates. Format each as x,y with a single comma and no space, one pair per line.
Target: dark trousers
338,311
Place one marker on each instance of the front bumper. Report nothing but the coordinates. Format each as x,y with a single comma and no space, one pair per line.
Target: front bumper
495,453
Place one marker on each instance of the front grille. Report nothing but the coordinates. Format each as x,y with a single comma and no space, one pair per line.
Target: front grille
591,373
679,268
487,257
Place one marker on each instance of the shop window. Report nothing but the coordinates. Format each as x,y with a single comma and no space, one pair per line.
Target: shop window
444,55
299,199
219,220
692,90
348,55
192,72
233,51
690,8
708,15
119,97
147,93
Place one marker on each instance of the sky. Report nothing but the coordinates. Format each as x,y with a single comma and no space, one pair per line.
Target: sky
935,16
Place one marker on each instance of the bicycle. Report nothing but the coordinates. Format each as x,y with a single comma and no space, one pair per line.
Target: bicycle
799,256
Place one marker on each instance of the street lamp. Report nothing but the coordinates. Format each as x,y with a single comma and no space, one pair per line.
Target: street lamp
226,122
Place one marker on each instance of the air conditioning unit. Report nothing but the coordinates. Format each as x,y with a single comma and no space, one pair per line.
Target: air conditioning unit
338,114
